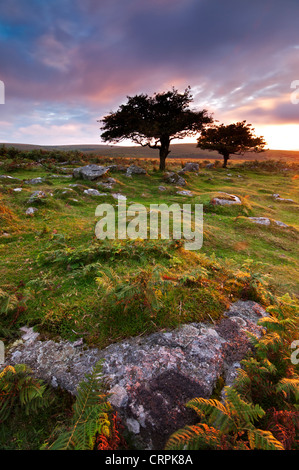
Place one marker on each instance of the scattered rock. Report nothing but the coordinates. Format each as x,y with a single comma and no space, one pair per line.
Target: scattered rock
90,172
37,196
135,170
119,196
31,210
266,221
280,224
185,193
226,199
174,178
260,220
191,166
17,190
281,199
9,178
35,181
210,165
108,183
61,176
120,168
150,377
93,192
162,188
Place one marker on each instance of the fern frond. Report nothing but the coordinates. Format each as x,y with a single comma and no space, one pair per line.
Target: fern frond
273,324
245,413
17,386
91,415
263,440
7,302
215,412
200,436
286,386
271,341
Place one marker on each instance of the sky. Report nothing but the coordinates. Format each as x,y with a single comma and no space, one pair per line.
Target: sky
65,64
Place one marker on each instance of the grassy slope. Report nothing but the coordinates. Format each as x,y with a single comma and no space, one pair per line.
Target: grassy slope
61,294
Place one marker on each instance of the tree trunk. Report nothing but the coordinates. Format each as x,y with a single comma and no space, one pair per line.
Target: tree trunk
225,159
164,151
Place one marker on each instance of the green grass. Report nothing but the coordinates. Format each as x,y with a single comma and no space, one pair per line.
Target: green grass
53,264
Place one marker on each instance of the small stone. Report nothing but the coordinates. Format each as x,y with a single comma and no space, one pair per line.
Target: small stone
94,192
226,199
135,170
185,193
31,210
36,195
281,199
119,196
260,220
34,181
191,166
174,178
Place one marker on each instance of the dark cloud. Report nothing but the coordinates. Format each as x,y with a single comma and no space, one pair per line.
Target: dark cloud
239,57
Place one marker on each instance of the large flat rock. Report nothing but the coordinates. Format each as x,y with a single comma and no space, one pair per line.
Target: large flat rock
150,377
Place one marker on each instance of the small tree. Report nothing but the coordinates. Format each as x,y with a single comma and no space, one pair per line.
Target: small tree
155,121
233,139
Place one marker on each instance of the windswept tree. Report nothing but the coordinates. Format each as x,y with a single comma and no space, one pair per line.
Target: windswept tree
233,139
154,121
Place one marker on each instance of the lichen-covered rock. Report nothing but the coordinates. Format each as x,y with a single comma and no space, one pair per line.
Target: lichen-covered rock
90,172
135,170
185,192
224,199
281,199
93,192
108,183
150,377
38,180
191,166
30,211
174,178
266,221
260,220
36,196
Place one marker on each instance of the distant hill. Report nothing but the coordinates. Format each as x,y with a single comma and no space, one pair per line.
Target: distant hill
182,151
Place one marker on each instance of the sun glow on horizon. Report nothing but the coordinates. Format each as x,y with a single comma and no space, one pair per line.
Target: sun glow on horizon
280,136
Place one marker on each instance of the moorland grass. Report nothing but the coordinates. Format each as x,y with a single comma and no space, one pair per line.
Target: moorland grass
69,284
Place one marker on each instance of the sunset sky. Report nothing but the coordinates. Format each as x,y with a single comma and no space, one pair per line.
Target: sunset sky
67,63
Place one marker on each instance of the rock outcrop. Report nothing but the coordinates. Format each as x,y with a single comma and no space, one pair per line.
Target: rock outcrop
151,377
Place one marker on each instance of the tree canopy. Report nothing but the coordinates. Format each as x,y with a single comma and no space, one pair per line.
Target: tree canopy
155,121
231,139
